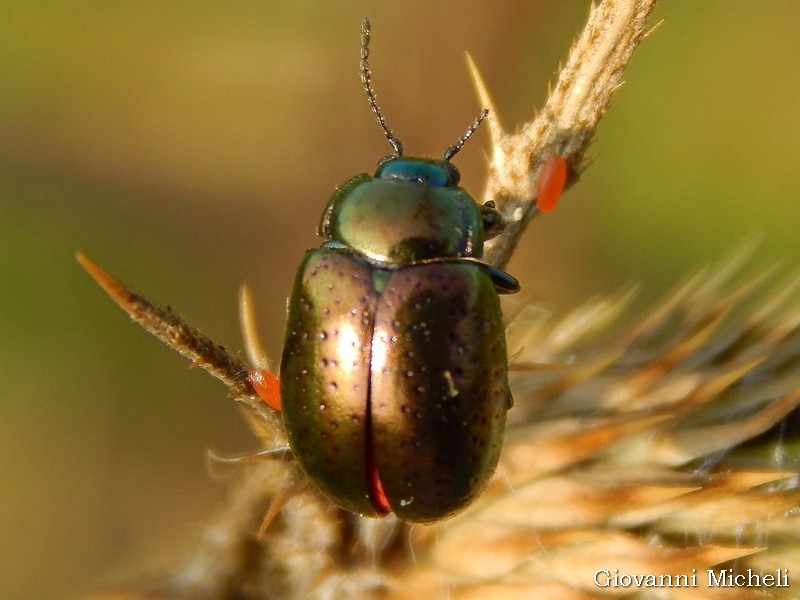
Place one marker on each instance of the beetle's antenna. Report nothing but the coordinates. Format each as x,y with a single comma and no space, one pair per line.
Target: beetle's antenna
452,150
366,79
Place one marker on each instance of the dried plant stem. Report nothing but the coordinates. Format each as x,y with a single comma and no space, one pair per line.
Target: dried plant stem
566,124
187,341
174,332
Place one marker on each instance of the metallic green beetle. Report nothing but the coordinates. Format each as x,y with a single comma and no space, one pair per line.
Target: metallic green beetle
393,377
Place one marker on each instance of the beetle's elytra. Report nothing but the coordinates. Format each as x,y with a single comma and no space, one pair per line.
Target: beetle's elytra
393,379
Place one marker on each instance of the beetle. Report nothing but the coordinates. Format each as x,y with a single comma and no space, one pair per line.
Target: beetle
393,376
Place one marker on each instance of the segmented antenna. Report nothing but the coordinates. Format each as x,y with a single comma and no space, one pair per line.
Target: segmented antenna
452,150
366,79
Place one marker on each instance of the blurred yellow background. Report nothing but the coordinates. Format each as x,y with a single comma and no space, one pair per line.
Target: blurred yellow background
190,146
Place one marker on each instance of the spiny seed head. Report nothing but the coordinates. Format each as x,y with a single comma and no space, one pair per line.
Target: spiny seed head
654,450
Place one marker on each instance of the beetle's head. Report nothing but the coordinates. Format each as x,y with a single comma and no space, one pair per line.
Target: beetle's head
429,172
428,183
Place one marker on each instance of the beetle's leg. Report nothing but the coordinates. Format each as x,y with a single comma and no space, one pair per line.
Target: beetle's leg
264,382
493,223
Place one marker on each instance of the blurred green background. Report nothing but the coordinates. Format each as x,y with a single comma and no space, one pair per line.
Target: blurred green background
190,146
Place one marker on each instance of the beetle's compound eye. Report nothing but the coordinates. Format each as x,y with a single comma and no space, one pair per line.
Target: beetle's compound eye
455,174
432,173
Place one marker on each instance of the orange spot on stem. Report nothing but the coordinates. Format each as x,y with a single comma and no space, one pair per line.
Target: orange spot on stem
268,386
552,178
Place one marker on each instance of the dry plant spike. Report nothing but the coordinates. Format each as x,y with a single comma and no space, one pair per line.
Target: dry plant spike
174,332
197,347
254,347
566,124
